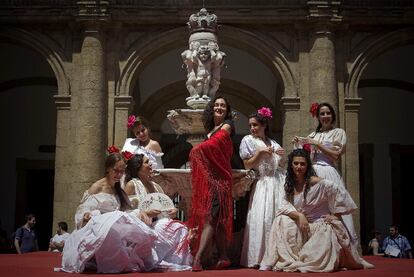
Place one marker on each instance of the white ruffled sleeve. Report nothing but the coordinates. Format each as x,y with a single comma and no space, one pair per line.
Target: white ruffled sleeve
285,208
339,199
129,145
247,148
88,204
340,136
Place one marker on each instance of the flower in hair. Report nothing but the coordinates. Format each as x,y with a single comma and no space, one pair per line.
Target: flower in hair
112,149
127,155
131,121
307,147
314,109
265,112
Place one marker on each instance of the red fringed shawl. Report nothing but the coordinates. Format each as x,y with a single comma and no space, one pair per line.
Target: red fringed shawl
211,175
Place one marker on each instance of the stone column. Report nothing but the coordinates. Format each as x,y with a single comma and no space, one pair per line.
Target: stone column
350,160
323,84
89,113
122,105
62,159
291,120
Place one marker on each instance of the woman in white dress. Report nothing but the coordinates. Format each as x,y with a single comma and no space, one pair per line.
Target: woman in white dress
171,246
263,154
307,234
108,238
328,145
142,143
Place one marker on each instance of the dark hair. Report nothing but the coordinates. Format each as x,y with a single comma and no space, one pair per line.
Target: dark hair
263,121
133,165
63,225
290,176
331,109
395,227
208,115
30,216
110,162
140,120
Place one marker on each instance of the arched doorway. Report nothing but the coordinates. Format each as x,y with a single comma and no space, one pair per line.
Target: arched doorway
386,140
28,119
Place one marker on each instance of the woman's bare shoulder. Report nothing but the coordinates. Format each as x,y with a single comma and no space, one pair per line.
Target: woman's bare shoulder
97,187
314,180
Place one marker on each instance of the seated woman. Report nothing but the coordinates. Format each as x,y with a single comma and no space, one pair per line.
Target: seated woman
142,143
170,245
307,234
108,238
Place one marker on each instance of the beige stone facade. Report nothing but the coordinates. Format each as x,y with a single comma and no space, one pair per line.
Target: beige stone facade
316,51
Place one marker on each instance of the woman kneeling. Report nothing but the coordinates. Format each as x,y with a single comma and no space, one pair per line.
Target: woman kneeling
307,234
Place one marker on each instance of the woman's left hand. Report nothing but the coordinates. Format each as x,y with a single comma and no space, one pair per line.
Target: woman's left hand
173,212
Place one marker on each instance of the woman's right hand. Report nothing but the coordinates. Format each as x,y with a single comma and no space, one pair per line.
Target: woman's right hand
86,218
266,150
303,223
153,213
144,218
295,140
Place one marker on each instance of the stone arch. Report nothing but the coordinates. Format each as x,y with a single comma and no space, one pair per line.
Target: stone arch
173,96
46,47
373,50
266,50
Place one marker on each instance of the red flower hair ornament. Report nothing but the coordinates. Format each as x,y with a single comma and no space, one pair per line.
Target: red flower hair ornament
127,155
265,112
307,147
112,149
314,109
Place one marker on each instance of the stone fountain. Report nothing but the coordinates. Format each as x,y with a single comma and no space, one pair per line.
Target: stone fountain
203,61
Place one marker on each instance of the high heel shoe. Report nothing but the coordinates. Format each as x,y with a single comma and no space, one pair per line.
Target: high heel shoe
222,264
197,267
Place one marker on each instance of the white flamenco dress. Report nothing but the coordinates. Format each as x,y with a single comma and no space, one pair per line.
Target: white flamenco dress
112,241
325,167
265,198
132,145
170,246
326,247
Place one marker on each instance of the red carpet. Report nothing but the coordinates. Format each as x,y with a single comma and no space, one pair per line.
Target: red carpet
42,263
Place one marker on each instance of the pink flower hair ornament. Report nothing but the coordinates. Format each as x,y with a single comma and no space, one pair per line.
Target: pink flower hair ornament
265,112
131,121
314,109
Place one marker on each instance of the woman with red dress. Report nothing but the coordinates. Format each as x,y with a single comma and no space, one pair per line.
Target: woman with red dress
211,177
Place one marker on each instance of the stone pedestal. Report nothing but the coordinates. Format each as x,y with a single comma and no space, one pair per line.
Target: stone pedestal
178,181
189,122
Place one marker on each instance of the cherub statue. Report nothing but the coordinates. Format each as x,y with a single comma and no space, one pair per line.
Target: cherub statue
203,64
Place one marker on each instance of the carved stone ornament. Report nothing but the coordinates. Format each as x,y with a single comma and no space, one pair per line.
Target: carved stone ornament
175,181
203,59
203,22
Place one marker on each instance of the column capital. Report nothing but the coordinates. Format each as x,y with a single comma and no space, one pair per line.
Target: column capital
62,102
93,11
291,103
352,104
123,102
324,11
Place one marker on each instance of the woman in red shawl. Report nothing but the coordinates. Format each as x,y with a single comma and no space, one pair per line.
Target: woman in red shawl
211,177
